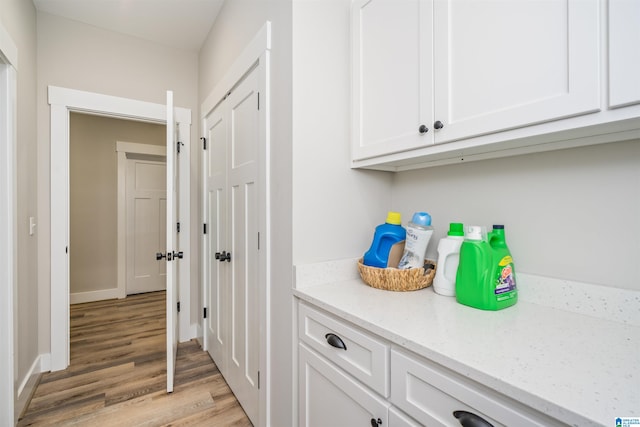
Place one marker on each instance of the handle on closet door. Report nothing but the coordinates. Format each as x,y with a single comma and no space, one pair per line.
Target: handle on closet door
335,341
438,125
468,419
423,129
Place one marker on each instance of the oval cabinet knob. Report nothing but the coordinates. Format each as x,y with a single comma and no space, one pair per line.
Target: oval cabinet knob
423,129
438,125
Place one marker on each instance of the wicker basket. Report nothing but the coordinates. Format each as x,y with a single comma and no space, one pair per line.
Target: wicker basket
393,279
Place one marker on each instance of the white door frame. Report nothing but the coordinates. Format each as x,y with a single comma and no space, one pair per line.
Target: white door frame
123,148
8,240
63,101
257,51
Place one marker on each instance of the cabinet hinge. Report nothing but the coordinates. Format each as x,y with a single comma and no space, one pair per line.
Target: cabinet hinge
258,100
204,142
178,306
178,227
178,144
204,228
204,314
258,380
258,240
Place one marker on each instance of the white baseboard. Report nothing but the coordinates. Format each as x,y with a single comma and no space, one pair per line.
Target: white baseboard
103,294
30,381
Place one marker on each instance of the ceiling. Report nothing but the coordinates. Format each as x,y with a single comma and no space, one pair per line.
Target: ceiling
183,24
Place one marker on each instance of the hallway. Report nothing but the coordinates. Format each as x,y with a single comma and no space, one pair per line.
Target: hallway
117,375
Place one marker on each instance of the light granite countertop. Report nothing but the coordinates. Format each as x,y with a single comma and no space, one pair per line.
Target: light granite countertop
577,368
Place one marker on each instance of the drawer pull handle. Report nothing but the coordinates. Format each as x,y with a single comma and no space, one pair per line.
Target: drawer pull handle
468,419
335,341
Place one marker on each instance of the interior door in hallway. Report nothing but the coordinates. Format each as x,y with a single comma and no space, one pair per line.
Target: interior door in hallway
146,199
232,132
172,256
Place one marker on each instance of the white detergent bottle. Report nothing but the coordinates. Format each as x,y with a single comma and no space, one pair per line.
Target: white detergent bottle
419,231
448,258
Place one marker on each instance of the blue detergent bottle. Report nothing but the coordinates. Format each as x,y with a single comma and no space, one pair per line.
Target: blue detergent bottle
385,236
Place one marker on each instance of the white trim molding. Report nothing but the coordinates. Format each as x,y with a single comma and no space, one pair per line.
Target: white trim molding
8,226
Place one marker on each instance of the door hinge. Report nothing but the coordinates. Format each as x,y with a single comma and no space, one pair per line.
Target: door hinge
258,100
204,228
178,306
66,249
178,144
178,227
205,313
204,142
258,240
258,380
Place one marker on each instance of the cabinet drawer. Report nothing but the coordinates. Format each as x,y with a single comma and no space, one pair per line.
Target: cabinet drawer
363,356
431,395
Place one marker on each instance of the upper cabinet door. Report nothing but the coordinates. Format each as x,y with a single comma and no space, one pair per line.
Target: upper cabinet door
624,52
503,64
392,76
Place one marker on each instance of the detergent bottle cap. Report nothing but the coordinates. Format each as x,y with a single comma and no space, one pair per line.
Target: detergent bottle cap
474,232
394,218
421,218
456,229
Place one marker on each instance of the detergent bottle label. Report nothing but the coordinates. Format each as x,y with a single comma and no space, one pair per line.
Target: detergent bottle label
506,281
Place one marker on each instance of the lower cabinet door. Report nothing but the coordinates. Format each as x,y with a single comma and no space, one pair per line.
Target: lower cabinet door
329,397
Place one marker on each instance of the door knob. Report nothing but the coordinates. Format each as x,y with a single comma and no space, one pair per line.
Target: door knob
438,125
423,129
177,254
160,255
222,256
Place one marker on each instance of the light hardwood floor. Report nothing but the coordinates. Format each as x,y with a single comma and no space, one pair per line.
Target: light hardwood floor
117,375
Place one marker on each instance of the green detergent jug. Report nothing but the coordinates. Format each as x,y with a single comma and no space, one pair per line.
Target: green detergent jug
486,277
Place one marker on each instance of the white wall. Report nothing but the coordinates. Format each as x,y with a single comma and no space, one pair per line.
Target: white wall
570,214
79,56
335,208
18,17
237,24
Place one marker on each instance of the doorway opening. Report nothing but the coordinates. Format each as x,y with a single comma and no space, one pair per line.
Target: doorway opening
62,102
102,240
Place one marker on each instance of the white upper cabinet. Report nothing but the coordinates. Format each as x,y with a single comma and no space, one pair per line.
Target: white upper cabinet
443,81
502,64
392,84
624,52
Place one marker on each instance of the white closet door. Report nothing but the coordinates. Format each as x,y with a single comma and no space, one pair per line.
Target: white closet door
217,273
243,243
233,266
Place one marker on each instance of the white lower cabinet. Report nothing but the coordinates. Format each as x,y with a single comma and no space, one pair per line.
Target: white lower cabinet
331,398
338,388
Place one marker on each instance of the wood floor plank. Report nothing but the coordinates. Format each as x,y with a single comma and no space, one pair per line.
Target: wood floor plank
117,375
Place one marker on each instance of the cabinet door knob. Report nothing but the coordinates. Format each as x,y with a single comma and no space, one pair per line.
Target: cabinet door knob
468,419
438,125
423,129
335,341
